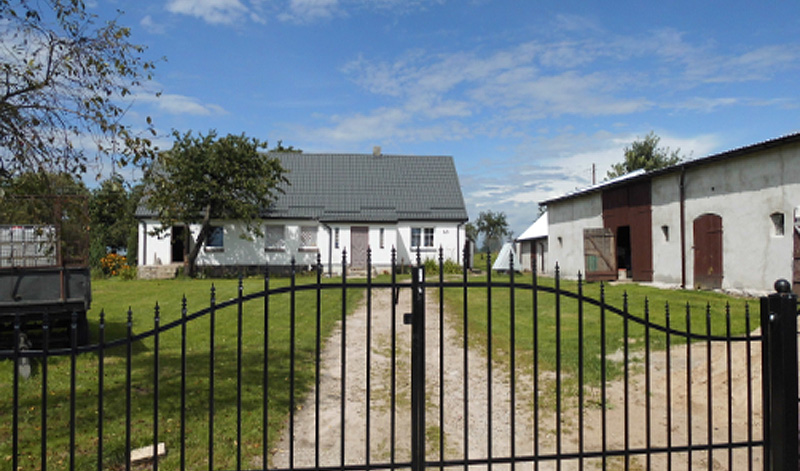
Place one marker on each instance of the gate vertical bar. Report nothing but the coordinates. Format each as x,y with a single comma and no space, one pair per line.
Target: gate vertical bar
418,369
779,330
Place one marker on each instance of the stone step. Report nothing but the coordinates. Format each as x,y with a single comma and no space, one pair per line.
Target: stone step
159,272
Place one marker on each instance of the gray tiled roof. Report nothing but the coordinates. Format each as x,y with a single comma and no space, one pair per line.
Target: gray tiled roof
368,188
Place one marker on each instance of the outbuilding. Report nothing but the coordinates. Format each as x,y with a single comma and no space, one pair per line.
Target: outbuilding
727,221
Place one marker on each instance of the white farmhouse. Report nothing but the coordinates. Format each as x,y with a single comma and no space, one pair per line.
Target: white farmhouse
333,203
727,221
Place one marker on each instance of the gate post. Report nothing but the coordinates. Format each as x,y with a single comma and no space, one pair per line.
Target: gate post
779,367
418,369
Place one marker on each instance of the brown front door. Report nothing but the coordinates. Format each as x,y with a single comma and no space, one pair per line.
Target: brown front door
359,242
708,251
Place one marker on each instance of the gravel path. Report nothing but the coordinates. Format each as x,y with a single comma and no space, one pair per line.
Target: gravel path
377,441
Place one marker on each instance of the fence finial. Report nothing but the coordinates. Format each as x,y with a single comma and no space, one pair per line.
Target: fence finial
783,286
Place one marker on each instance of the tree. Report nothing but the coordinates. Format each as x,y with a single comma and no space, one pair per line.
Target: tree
494,228
113,226
203,177
645,154
65,78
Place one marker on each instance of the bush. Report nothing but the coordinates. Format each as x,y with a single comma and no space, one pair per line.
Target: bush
128,272
449,267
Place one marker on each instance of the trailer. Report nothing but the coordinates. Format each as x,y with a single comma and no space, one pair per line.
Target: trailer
44,271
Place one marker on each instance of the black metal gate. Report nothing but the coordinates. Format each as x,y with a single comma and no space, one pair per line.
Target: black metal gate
511,371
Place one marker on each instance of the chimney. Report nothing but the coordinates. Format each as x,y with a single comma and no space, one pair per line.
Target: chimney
376,151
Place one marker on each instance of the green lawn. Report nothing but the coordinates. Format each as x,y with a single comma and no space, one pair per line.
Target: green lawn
115,297
697,303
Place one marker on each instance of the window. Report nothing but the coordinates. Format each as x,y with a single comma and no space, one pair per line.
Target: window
215,239
336,238
777,224
381,237
415,236
308,238
422,237
428,237
276,241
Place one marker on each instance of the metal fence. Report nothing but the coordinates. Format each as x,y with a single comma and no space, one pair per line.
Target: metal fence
395,371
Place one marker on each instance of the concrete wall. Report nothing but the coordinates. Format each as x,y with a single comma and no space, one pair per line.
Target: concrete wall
745,192
568,218
666,234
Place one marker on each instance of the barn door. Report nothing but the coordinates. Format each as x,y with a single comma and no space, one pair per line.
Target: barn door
708,251
359,241
599,254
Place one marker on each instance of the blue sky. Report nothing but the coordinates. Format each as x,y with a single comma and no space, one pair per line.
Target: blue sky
525,95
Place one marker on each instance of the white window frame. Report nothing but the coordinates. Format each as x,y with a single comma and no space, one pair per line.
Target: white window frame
425,237
273,242
311,233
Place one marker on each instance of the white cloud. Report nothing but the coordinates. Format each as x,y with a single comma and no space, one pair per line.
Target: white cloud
211,11
179,104
152,26
305,11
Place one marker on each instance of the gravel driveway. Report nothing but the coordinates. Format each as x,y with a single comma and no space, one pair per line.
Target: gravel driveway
379,444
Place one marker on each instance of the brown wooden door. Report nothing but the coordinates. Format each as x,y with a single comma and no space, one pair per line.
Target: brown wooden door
359,242
599,254
708,251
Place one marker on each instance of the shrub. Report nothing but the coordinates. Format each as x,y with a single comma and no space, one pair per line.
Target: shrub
128,272
449,267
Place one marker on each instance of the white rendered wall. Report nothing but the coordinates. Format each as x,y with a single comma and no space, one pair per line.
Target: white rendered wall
567,221
745,192
666,233
251,250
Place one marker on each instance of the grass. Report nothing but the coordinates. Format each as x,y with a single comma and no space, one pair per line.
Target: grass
115,297
698,304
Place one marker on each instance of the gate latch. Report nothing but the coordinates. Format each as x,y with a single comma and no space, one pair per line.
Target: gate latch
408,318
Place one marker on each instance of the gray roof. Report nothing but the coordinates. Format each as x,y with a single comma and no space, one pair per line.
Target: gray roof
790,139
367,188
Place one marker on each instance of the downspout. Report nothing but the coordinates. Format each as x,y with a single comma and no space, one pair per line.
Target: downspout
682,197
143,258
330,248
459,249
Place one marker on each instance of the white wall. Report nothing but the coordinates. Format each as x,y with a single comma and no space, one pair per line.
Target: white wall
154,250
665,198
568,218
451,237
745,192
535,249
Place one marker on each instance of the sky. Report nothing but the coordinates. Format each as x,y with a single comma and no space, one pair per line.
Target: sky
530,98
